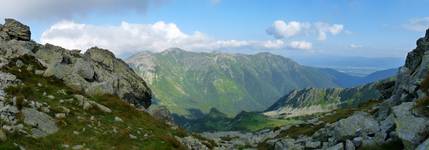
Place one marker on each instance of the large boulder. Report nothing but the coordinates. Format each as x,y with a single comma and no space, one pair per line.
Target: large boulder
410,129
358,124
13,29
43,124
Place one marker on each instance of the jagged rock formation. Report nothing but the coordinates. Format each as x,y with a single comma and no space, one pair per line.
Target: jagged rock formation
96,72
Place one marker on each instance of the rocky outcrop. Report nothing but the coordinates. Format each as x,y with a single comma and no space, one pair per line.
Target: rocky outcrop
359,122
43,124
95,72
13,29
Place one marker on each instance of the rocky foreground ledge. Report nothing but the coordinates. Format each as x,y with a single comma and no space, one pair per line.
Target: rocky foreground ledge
95,72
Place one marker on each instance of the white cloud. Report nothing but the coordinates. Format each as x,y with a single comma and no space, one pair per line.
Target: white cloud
60,9
128,38
419,24
355,46
301,45
324,28
281,29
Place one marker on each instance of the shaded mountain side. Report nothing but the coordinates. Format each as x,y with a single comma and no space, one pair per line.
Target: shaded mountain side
314,100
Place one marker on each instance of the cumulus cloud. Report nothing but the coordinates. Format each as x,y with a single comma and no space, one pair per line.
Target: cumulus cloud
300,45
42,9
418,24
281,29
324,28
129,38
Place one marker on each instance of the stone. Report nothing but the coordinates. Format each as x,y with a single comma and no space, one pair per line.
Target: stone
424,145
359,122
43,123
192,143
410,129
133,137
313,145
117,119
60,115
357,141
350,145
100,107
13,29
77,147
339,146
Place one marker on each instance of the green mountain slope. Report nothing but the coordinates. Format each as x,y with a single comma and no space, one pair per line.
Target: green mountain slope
231,83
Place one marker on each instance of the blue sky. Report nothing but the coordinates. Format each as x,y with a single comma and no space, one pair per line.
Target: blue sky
367,28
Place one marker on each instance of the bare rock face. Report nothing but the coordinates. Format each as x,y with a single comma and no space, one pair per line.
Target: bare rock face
411,75
13,29
96,72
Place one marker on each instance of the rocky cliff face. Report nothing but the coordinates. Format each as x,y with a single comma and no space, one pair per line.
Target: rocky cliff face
95,72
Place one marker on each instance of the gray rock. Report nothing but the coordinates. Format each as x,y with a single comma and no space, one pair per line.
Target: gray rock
100,107
424,145
410,129
313,145
339,146
192,143
43,124
359,122
117,119
350,145
60,115
13,29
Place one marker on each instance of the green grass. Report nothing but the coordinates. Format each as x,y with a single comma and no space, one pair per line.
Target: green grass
100,135
255,122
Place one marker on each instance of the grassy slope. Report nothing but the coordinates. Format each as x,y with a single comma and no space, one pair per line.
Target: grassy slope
94,134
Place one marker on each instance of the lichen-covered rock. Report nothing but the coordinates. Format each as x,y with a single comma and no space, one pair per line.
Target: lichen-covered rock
192,143
359,122
43,124
13,29
96,72
410,129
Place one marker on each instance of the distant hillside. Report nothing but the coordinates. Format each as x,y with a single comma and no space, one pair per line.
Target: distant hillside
231,83
314,100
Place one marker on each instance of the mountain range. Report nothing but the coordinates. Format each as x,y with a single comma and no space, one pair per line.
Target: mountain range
185,81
